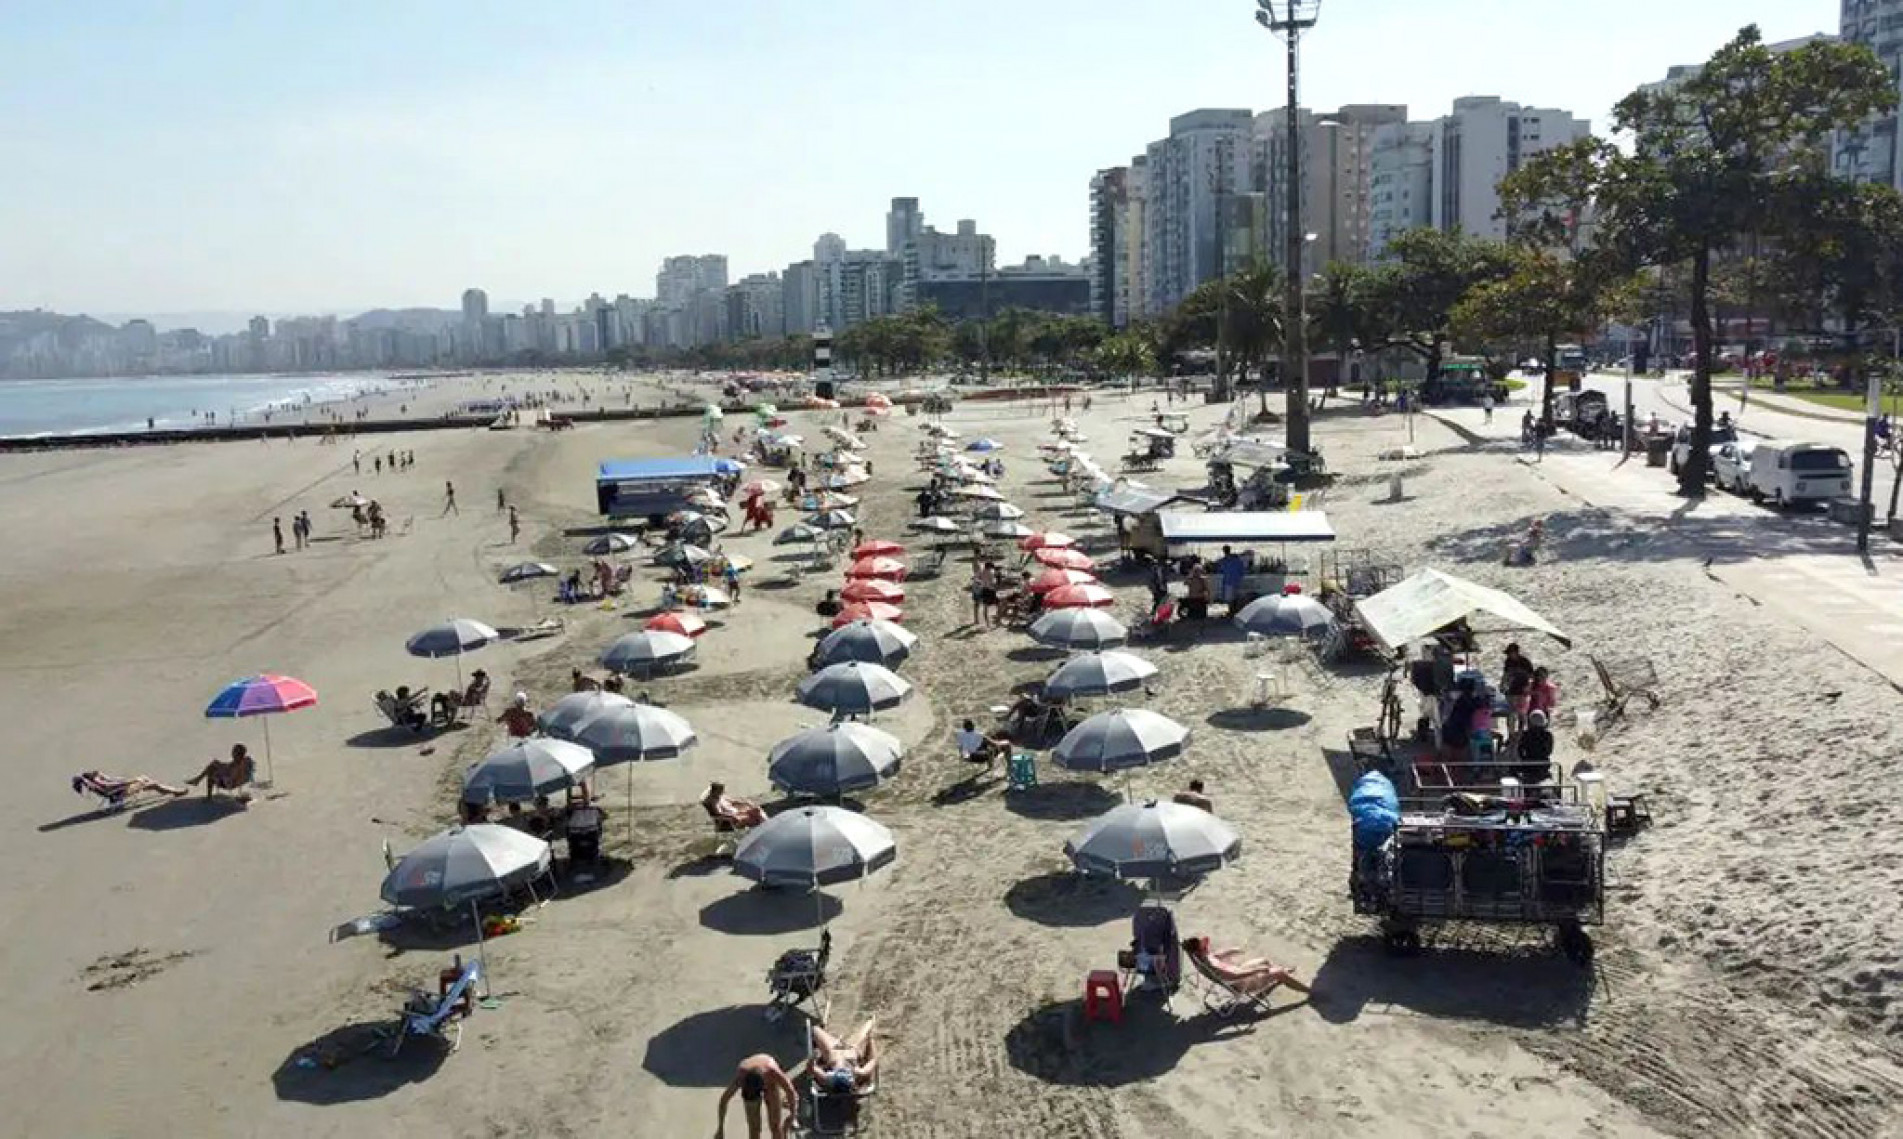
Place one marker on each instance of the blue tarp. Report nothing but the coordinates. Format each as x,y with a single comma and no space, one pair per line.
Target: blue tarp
632,470
1375,808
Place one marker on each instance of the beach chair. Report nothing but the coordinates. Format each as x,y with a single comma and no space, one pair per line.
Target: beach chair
117,793
835,1112
440,1016
727,833
1622,681
1154,961
798,976
1222,998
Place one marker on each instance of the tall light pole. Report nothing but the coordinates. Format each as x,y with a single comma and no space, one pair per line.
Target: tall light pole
1289,19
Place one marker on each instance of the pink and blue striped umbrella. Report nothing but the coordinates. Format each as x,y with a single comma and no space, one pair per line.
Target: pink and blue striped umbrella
261,695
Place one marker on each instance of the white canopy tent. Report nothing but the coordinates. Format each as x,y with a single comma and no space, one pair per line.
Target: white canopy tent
1430,600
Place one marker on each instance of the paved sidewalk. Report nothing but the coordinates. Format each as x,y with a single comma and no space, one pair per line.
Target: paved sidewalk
1804,567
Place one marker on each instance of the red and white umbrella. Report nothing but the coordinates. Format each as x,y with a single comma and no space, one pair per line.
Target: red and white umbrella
872,589
1048,540
868,611
1064,558
1056,578
262,695
877,548
682,621
878,399
891,569
1085,595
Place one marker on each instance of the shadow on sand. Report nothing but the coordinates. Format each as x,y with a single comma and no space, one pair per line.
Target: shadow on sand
190,811
352,1063
391,736
1063,898
75,820
769,913
1464,974
1053,1044
1062,801
1271,719
701,1050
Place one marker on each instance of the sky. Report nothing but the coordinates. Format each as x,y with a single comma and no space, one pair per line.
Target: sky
282,156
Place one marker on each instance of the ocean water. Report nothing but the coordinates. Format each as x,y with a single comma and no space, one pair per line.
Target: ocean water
59,407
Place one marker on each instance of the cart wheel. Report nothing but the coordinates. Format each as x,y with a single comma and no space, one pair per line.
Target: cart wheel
1576,944
1402,942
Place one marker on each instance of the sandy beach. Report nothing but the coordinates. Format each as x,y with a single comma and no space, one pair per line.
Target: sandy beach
173,973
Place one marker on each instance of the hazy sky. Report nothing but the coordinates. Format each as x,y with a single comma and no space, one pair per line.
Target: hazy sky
274,155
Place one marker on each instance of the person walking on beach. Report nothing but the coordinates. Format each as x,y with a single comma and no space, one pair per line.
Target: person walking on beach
376,464
515,526
502,503
277,533
449,500
356,461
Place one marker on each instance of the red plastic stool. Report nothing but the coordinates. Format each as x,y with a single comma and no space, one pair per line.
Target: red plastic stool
1103,997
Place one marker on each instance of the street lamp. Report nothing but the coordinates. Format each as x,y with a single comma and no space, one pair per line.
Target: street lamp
1289,19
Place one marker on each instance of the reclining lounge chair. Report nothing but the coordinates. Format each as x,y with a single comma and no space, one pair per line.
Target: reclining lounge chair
118,792
836,1112
1221,996
440,1016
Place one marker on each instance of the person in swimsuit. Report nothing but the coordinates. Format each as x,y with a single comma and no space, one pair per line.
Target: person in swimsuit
759,1080
847,1065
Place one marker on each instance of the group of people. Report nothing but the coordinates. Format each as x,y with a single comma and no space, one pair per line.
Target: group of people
838,1066
1466,708
368,517
300,530
398,461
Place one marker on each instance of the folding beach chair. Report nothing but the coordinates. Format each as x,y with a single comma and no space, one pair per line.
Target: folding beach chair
440,1016
1221,997
835,1112
114,793
1154,961
799,975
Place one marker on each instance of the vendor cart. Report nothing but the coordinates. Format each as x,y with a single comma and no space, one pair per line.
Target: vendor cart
1528,856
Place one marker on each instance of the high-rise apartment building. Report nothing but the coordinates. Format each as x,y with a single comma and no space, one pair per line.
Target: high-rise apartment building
1400,182
1109,213
475,306
1336,152
1204,159
1480,143
799,298
903,223
756,308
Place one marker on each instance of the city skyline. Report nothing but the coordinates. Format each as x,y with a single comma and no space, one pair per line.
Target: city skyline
394,159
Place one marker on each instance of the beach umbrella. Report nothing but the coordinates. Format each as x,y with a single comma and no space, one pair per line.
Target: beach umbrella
998,512
760,487
527,770
1046,540
849,477
867,611
1098,674
1280,616
452,638
527,571
698,530
680,621
684,555
834,760
989,494
829,500
706,498
1154,840
1120,739
971,475
707,597
1070,559
1078,629
814,847
844,438
872,589
853,688
892,569
1055,578
647,651
936,524
876,642
1084,595
878,399
726,466
877,548
262,695
466,864
798,532
832,520
985,445
610,544
616,729
1007,531
350,501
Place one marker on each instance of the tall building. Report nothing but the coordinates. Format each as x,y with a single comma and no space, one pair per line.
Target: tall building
903,223
1480,143
756,308
930,255
1109,212
799,298
682,278
1400,182
830,247
1132,303
1204,159
475,306
1336,152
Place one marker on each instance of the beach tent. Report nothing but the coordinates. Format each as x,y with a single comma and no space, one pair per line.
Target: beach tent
1431,600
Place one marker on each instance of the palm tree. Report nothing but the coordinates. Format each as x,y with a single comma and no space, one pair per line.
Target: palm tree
1337,315
1252,321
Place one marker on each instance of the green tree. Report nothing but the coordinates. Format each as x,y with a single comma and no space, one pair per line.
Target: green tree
1408,300
1127,353
1547,297
1709,162
1339,315
1250,321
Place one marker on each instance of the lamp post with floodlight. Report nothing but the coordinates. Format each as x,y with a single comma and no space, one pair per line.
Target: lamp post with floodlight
1289,19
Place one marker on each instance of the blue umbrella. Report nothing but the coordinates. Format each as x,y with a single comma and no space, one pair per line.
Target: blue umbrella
985,444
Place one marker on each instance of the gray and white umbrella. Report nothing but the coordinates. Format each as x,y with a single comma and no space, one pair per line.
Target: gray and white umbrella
682,555
978,491
526,770
874,642
698,529
1119,740
797,533
1154,840
1098,674
616,729
527,571
998,512
832,520
610,544
936,524
813,847
647,651
1011,529
1285,616
464,865
853,688
1079,629
834,760
452,638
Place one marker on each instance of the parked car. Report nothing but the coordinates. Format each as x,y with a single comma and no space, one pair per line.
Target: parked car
1721,432
1792,473
1731,466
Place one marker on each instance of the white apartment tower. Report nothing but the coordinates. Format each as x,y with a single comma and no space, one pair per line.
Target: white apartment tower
1337,152
1204,160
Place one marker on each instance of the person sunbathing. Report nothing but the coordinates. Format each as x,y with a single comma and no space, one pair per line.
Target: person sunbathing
733,812
848,1065
117,787
227,774
1244,974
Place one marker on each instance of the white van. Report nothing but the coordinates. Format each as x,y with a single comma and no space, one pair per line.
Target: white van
1790,473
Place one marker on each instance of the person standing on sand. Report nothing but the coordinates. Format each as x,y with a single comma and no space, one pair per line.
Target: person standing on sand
449,500
356,461
760,1080
277,532
502,502
515,526
376,464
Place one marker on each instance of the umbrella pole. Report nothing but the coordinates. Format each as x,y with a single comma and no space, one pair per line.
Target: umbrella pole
270,771
482,947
